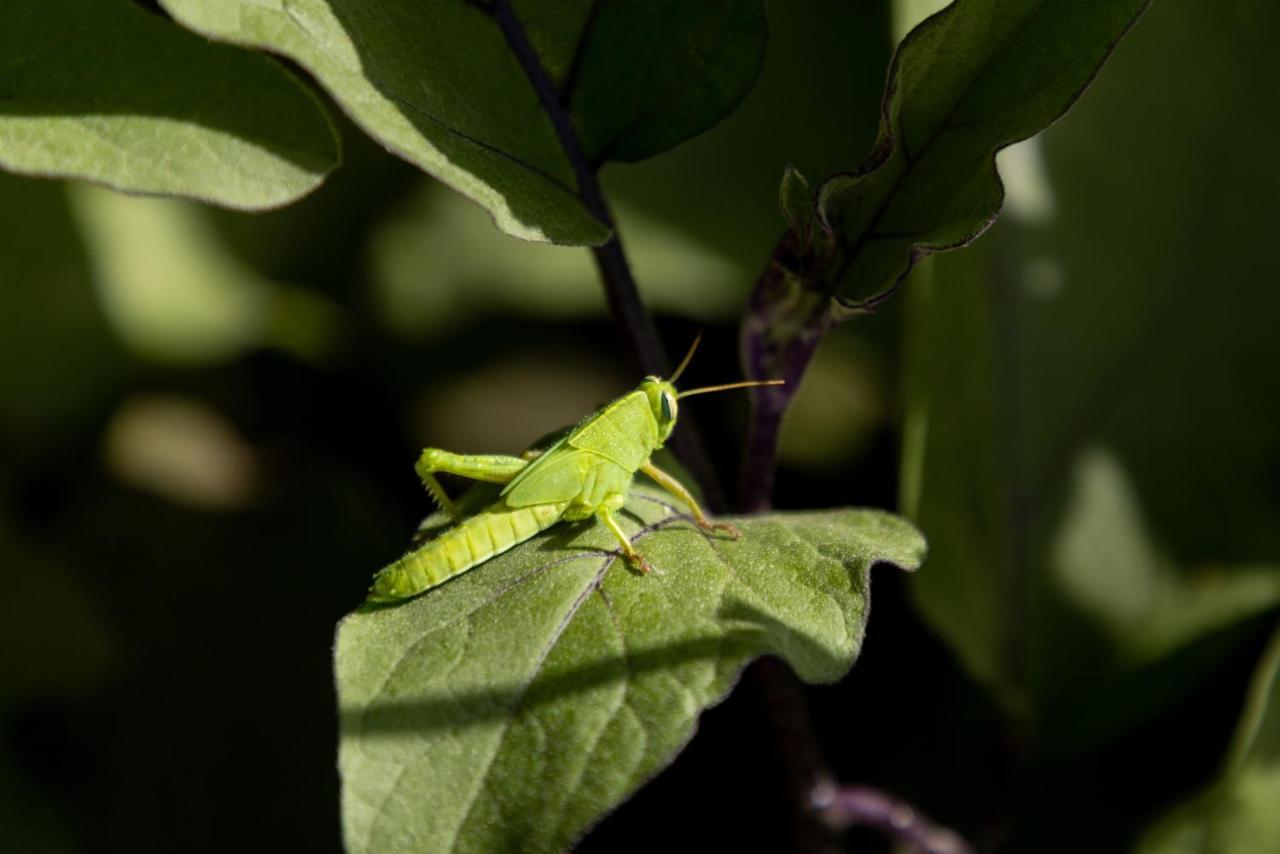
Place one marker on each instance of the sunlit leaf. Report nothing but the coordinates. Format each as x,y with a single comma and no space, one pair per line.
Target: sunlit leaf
447,85
102,90
519,702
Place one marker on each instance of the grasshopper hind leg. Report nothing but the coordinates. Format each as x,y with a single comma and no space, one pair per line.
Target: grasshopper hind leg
492,468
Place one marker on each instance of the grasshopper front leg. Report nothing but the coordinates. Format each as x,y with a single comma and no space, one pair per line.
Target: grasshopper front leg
492,468
676,488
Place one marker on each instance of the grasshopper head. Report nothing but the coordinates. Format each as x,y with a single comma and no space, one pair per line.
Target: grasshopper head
662,400
662,393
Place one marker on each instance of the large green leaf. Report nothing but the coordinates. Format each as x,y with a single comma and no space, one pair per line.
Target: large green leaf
102,90
966,82
1237,814
513,706
441,84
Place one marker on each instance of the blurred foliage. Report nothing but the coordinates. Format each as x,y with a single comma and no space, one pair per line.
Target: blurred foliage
440,261
174,293
1085,444
1238,812
192,495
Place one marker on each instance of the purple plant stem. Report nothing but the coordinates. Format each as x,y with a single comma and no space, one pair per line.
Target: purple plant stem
845,806
777,299
633,321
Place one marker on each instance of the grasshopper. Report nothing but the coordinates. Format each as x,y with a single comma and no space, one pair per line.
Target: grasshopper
586,473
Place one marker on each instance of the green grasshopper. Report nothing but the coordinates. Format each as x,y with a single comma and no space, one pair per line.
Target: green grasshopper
587,473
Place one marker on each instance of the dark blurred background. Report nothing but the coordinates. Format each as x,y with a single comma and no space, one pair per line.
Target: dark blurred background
208,422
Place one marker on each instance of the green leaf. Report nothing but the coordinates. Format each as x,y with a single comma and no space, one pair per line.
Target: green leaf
655,72
516,704
966,82
103,90
1238,812
441,85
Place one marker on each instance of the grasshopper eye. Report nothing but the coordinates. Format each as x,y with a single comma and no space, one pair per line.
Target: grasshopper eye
668,406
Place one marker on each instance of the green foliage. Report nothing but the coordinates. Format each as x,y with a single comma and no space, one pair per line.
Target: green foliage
1237,814
439,262
174,292
629,79
965,83
1005,402
47,299
1086,445
102,90
1089,443
514,705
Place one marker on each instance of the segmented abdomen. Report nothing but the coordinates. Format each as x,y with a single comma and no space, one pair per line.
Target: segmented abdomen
472,541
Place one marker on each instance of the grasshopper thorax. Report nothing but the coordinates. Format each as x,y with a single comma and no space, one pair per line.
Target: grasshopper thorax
661,395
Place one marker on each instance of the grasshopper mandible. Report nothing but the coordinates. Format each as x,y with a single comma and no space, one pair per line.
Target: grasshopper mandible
587,473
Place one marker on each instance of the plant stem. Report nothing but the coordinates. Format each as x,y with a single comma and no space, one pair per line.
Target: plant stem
779,301
621,293
845,806
798,752
822,806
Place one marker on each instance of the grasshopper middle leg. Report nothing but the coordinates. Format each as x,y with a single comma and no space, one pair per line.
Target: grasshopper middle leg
629,551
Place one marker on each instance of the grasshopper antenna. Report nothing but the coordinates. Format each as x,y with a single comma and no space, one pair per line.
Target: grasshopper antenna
688,357
727,386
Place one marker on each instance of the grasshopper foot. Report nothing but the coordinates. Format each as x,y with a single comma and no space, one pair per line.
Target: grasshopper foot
720,527
639,563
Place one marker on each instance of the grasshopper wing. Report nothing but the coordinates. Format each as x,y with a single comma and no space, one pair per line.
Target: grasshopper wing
624,432
555,476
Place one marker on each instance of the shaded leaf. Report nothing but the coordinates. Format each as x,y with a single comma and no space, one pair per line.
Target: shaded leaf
102,90
516,704
441,85
652,73
968,81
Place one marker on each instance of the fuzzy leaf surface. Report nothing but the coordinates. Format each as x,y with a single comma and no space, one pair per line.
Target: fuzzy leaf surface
968,81
441,84
104,91
517,703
